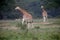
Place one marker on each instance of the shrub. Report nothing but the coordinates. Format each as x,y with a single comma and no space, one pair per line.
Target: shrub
22,26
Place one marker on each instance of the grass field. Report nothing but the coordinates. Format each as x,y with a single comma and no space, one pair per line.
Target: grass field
11,30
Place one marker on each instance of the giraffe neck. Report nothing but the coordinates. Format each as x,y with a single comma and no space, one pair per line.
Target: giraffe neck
43,10
26,16
23,11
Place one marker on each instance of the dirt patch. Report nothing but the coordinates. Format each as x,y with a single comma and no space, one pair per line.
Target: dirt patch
42,23
10,28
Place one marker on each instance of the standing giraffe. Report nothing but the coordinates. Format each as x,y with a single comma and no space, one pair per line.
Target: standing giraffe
27,18
44,14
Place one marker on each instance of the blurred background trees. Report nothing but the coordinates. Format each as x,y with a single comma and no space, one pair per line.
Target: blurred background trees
6,7
7,10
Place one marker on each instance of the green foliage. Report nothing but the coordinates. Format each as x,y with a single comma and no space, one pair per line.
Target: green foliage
37,27
7,10
57,22
55,36
6,5
43,34
22,26
57,16
52,4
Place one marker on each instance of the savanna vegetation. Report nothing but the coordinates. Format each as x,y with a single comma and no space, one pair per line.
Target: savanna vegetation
14,30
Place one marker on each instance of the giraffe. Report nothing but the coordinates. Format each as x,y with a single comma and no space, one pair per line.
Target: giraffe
27,18
44,14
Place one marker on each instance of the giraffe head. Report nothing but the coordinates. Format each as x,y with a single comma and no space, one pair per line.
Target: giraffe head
42,6
17,7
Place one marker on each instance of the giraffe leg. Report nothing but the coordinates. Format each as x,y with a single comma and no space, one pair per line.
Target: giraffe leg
23,21
44,19
29,24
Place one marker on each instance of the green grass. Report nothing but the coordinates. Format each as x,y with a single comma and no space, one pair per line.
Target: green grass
40,32
33,34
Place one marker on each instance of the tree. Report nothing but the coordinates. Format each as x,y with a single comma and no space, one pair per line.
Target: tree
52,3
6,6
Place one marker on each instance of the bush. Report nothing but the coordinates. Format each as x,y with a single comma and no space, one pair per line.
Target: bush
22,26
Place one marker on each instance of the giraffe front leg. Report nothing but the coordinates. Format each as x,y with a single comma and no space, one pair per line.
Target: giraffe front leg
44,19
23,21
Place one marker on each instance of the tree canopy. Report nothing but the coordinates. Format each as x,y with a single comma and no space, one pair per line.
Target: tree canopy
9,5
